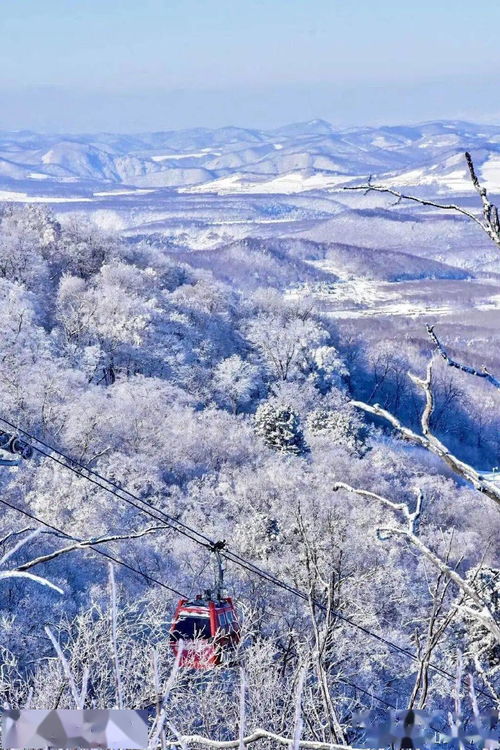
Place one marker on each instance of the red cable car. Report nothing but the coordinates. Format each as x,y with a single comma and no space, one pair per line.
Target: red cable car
207,626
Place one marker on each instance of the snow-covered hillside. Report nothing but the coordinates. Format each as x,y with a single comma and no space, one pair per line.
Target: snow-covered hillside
295,158
196,331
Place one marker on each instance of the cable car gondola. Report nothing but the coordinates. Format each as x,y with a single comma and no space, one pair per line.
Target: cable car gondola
208,626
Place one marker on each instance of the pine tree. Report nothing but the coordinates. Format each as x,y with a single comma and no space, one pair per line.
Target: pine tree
279,426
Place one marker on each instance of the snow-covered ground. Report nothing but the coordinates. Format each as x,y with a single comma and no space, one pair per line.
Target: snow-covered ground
12,196
293,182
362,298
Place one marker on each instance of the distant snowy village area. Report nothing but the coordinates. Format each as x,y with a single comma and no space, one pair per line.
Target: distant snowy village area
250,432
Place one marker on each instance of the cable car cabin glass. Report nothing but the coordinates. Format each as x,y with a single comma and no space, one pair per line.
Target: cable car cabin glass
209,632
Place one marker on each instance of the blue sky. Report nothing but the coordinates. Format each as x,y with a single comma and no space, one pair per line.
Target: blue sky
157,64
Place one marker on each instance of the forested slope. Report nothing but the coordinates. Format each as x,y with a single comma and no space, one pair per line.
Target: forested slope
230,412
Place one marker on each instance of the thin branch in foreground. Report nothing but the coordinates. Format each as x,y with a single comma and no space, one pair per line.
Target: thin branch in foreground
30,576
242,711
432,444
490,211
161,717
77,696
298,724
18,545
482,614
114,637
491,222
82,544
258,734
483,373
11,534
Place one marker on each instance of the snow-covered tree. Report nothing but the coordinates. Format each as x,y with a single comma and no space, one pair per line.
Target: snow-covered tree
341,426
279,427
481,645
237,381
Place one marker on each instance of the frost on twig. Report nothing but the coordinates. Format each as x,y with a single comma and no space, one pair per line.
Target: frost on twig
429,441
36,579
114,637
20,571
483,373
298,723
159,722
83,543
490,222
258,734
480,611
242,712
78,696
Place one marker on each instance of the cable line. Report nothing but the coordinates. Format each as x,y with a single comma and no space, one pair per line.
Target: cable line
151,579
94,549
196,536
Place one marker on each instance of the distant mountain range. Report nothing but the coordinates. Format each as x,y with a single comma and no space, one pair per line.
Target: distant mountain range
294,158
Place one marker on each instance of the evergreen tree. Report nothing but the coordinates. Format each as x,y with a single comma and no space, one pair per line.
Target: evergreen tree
279,426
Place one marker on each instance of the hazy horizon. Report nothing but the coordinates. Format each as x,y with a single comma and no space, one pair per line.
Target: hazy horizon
66,126
128,68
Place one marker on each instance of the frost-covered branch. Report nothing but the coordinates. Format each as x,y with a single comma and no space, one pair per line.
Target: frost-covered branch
483,373
159,722
20,571
12,534
258,734
370,187
242,711
114,637
485,677
482,614
30,576
82,544
426,385
490,222
18,545
78,696
431,443
490,211
298,724
411,517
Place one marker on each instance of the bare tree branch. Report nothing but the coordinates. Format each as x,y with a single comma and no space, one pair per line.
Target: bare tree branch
426,385
242,711
431,443
483,373
161,717
18,545
78,696
86,543
298,720
15,533
486,679
114,637
37,579
482,614
369,187
490,224
258,734
490,211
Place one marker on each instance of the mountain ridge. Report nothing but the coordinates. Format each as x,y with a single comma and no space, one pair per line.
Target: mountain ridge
426,155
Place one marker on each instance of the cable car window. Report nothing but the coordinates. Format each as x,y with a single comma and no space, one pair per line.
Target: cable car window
191,627
221,618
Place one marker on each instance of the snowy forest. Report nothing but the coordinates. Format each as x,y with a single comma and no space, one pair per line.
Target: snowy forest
349,467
